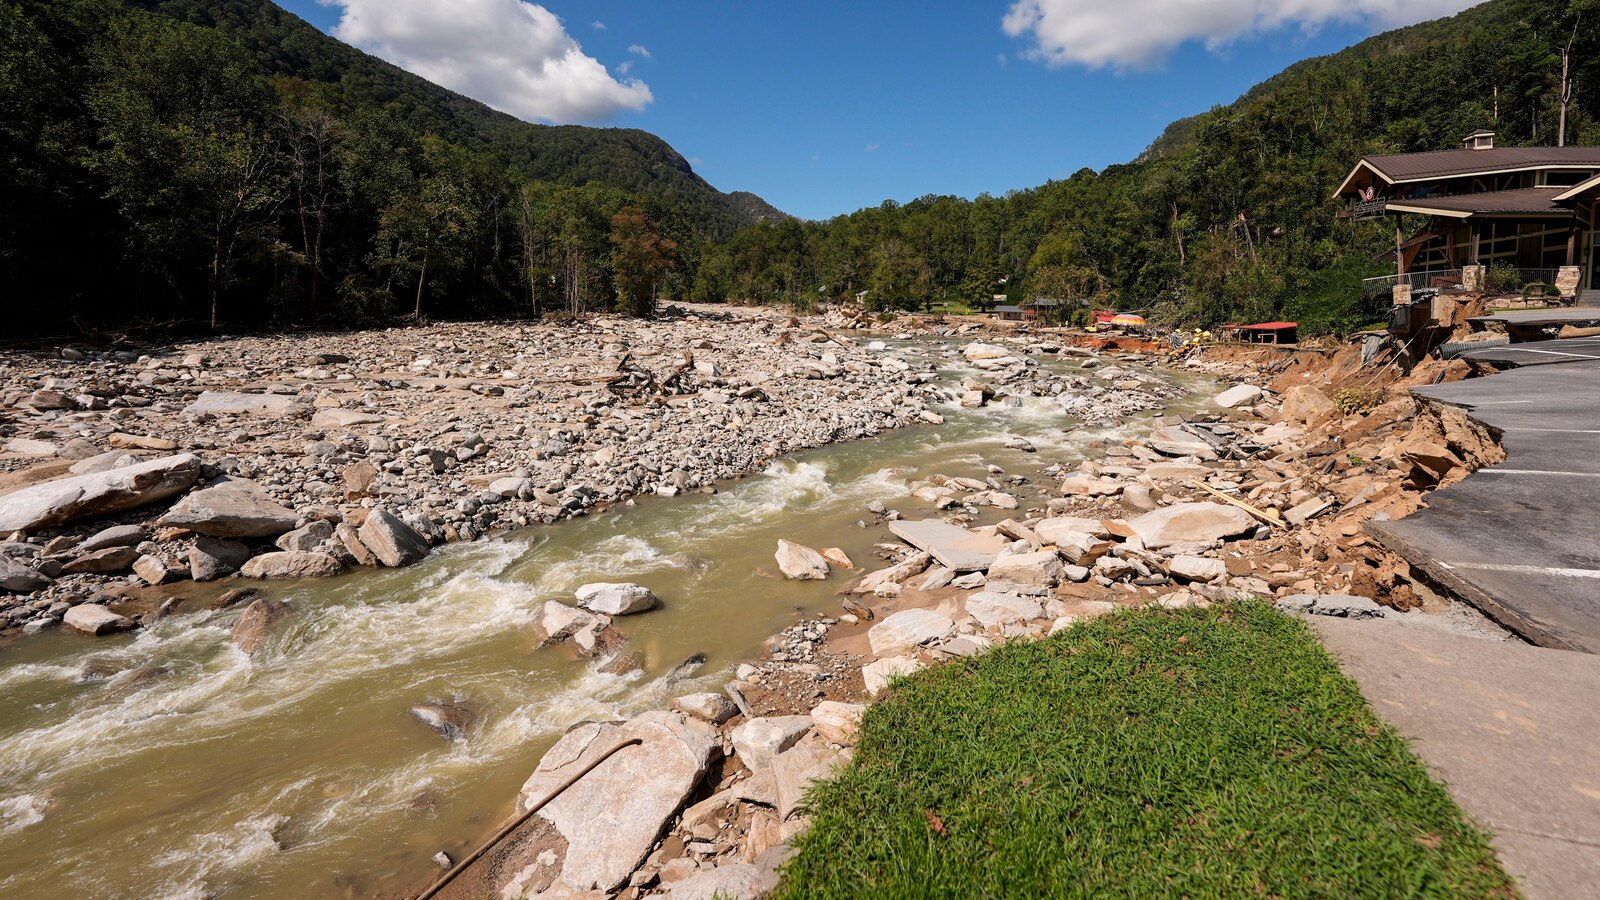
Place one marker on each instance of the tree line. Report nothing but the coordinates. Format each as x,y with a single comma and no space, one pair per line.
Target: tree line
153,173
159,170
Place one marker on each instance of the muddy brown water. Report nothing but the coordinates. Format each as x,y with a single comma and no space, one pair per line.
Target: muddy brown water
198,772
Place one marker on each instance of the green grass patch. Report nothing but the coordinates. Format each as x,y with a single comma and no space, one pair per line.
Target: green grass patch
1205,753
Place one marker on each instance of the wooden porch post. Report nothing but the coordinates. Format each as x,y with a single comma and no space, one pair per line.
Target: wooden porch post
1399,238
1572,246
1477,234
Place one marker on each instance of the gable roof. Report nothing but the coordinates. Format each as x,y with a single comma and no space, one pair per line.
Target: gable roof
1403,168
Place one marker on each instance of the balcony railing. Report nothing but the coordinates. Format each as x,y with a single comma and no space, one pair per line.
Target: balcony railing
1497,280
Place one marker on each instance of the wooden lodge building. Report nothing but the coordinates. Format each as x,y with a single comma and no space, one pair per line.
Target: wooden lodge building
1460,213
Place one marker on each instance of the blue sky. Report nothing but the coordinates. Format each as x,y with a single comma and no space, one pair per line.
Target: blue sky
824,107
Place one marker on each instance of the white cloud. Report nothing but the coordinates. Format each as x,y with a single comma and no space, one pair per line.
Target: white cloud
598,25
513,55
1135,33
872,148
638,50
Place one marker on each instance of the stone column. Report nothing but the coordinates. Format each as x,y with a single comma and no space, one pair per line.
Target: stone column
1472,277
1567,280
1402,293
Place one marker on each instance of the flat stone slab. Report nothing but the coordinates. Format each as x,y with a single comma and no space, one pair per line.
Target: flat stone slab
954,547
233,403
1510,729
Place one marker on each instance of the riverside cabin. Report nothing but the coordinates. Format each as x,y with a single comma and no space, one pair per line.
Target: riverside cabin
1483,218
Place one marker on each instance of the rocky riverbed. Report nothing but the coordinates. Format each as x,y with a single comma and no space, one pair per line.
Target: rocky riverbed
1263,496
307,455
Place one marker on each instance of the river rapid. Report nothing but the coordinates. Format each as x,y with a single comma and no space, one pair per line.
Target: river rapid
196,771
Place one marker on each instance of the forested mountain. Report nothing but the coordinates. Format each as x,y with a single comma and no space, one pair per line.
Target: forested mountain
224,162
1228,214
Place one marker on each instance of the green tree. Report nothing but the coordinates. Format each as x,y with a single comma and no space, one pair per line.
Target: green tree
640,258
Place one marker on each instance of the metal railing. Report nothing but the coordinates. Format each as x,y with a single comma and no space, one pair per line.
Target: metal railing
1384,284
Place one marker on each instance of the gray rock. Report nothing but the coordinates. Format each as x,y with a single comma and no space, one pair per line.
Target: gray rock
612,816
392,541
797,768
19,579
799,562
907,630
449,719
615,599
1238,395
102,562
992,609
714,708
953,546
152,570
1342,606
115,536
230,403
1191,523
1042,568
292,564
91,618
55,503
760,739
309,537
212,558
230,508
729,881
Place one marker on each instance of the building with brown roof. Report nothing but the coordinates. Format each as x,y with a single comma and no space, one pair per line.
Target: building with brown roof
1484,213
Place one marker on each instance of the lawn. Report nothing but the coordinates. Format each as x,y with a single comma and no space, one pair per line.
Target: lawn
1205,753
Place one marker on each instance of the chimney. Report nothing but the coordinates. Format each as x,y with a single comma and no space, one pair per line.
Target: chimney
1481,139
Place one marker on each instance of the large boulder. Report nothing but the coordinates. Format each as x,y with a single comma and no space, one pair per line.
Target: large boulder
797,768
800,562
19,579
102,562
615,599
1305,402
1238,395
877,675
255,623
836,722
55,503
392,541
906,630
212,558
1042,568
992,609
1191,523
230,508
92,618
975,352
612,816
115,536
292,564
758,740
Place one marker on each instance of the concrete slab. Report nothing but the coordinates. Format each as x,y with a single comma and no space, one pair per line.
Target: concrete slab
1519,540
953,546
1510,729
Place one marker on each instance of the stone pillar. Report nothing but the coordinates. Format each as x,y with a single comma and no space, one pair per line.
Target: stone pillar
1472,278
1402,293
1567,280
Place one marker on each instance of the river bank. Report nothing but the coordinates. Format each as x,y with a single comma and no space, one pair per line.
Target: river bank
222,770
1265,495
